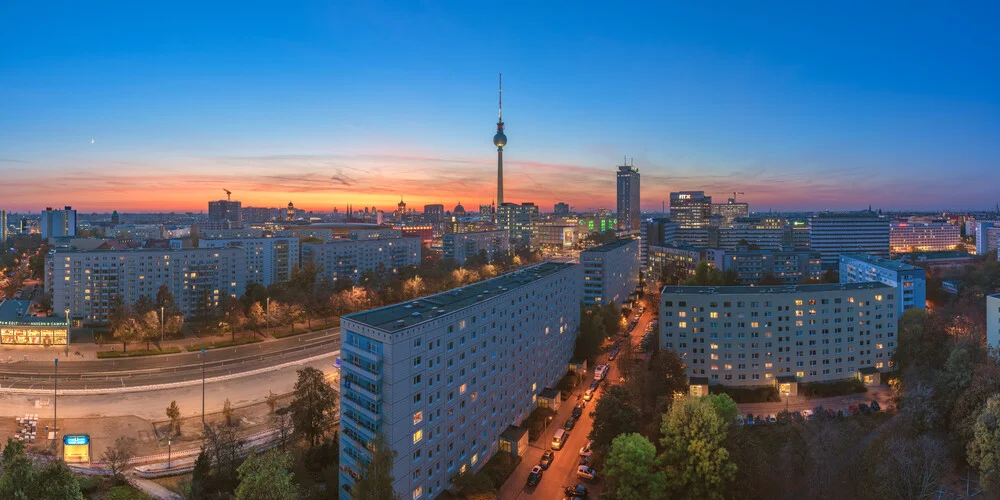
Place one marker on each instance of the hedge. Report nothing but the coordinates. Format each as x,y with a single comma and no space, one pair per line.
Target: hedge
827,389
136,353
748,394
222,343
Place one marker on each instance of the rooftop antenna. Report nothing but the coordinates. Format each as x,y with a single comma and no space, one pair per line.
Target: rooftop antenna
500,117
228,194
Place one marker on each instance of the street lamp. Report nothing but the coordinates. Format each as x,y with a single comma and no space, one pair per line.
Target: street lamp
169,442
68,326
55,399
267,317
203,389
161,328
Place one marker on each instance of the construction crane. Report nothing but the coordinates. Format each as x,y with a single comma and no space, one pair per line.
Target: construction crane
229,194
734,195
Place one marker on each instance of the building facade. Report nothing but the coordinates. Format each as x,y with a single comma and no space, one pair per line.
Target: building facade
442,377
384,233
460,246
89,282
610,272
267,260
731,210
691,209
434,213
520,222
790,268
993,320
231,211
554,236
58,223
19,327
561,208
751,336
923,237
909,281
351,259
629,211
832,234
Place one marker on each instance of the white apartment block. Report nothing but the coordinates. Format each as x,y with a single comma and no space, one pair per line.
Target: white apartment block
993,320
382,233
443,376
752,336
909,281
460,246
832,234
268,260
87,282
610,272
352,258
58,223
923,236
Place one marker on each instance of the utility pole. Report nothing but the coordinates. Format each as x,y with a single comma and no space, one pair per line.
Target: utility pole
203,389
55,405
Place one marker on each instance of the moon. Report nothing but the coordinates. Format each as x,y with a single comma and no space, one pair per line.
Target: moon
91,141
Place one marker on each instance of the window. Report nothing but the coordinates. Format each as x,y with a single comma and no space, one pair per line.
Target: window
418,417
419,492
417,436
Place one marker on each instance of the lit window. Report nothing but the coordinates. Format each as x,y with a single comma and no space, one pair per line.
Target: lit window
419,492
418,417
461,389
417,436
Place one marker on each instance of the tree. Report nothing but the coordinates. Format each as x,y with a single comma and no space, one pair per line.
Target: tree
143,305
313,404
266,477
724,406
174,414
272,400
129,332
376,475
983,452
281,420
56,480
912,468
149,327
118,455
256,318
921,343
165,299
631,469
615,414
201,476
697,465
20,479
224,448
770,279
227,412
45,303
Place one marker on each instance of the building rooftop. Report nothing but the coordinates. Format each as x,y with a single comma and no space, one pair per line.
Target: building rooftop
743,290
942,254
895,265
406,314
15,312
607,247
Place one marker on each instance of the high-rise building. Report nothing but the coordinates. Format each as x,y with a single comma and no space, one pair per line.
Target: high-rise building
350,259
434,213
445,377
855,320
629,211
832,234
923,236
290,212
691,209
993,321
3,226
267,260
610,272
561,208
231,211
909,281
88,283
731,210
500,140
461,246
987,234
58,223
519,221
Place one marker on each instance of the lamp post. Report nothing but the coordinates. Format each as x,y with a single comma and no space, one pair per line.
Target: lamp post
55,399
169,442
161,327
203,389
68,326
267,317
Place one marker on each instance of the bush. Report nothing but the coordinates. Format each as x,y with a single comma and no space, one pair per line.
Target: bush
222,343
748,394
500,467
567,384
136,353
536,422
827,389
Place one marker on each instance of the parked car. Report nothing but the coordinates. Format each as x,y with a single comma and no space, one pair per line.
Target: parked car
807,414
547,457
875,406
594,385
772,419
865,410
535,476
585,460
587,396
585,472
739,420
577,411
586,451
830,413
749,420
612,355
570,424
578,491
854,410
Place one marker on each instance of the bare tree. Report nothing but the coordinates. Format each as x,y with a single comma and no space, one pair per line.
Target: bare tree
117,457
281,419
912,469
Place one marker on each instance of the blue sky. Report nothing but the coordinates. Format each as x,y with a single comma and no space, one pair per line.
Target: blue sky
800,107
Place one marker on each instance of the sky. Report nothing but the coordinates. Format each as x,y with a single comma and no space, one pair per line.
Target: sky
152,106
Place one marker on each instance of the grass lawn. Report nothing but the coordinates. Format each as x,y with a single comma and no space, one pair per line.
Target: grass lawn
136,353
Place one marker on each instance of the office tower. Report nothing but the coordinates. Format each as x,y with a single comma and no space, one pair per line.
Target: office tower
762,233
519,221
923,236
629,211
832,234
445,377
610,272
655,232
909,281
788,267
692,211
500,140
3,226
731,210
987,236
487,212
461,246
747,346
87,282
350,259
58,223
993,321
24,226
435,213
561,208
260,214
267,260
231,211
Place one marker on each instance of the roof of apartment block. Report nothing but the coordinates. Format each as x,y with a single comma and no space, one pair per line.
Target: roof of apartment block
895,265
746,290
607,247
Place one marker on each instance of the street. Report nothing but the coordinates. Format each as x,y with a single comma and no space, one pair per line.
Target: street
562,472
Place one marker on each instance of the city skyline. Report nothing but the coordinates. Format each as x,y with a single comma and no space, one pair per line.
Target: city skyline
372,103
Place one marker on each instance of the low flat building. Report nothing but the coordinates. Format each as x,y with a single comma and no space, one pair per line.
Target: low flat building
444,377
18,327
349,259
610,272
551,236
460,246
910,281
376,234
749,336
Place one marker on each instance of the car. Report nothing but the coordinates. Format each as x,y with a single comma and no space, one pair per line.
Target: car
739,420
578,491
749,420
830,413
585,460
585,472
600,372
587,396
772,419
570,424
535,476
547,457
807,414
612,355
864,409
875,406
577,412
594,385
854,410
586,451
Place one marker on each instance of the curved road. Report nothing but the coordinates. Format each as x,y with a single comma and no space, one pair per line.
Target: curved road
152,370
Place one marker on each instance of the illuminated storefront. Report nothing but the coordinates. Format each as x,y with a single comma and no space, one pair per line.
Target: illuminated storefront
76,448
17,327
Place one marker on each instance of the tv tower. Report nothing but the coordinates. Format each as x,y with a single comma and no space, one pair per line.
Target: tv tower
500,140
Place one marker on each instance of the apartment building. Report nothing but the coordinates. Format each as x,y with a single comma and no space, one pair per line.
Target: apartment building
832,234
461,246
993,320
88,282
909,281
923,236
791,268
442,377
352,258
757,336
268,260
610,272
